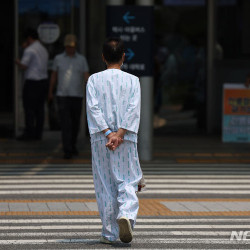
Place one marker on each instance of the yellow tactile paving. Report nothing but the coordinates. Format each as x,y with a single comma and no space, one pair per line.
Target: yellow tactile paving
148,207
34,154
37,154
44,161
224,154
204,154
85,157
88,160
212,160
153,207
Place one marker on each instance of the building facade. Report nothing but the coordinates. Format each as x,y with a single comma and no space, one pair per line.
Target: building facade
197,46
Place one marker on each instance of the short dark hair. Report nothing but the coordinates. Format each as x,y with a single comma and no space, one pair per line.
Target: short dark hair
30,32
113,49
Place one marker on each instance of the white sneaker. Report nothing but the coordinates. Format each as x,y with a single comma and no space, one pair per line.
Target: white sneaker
105,241
125,230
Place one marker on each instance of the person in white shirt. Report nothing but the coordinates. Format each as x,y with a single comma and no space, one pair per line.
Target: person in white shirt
113,100
34,62
70,71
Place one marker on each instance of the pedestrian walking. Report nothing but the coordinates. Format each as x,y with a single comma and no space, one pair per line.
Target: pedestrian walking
34,62
113,114
70,71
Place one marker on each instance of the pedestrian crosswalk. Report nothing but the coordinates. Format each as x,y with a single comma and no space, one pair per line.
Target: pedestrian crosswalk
45,191
148,169
150,233
161,179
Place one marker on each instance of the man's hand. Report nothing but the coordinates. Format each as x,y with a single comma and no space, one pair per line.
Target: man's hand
110,144
114,141
111,135
117,139
17,61
21,66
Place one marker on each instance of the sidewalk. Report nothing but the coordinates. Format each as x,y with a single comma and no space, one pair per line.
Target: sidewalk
168,149
148,207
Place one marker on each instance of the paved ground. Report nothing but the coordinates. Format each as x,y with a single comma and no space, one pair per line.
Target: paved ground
198,192
184,207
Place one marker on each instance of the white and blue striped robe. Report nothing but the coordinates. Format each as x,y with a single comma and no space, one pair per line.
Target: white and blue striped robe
113,100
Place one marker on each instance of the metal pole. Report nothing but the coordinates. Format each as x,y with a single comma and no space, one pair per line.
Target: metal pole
16,72
82,35
72,17
145,145
211,7
82,49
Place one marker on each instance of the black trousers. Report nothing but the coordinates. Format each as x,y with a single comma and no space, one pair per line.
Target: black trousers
70,109
34,95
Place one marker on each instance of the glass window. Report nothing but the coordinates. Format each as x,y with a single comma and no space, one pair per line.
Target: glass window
53,19
233,24
59,15
180,46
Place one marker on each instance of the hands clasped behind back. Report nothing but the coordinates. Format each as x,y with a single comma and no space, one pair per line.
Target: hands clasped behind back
114,141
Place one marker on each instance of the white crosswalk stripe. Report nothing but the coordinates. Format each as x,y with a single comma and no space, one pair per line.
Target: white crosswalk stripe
78,227
145,241
139,220
156,233
162,179
83,232
155,191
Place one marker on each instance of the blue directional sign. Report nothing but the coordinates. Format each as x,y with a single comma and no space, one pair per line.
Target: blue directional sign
134,25
129,54
127,17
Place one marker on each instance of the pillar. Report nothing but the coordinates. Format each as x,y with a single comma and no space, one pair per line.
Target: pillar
16,72
145,145
211,18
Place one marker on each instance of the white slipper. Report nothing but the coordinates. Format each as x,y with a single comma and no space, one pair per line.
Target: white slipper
125,230
105,241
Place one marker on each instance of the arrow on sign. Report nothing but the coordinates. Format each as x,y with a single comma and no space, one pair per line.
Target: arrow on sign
127,17
130,54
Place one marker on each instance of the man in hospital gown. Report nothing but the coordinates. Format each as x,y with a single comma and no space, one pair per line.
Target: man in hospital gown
113,103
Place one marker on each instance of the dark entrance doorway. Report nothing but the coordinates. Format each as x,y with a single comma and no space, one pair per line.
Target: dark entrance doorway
180,61
7,69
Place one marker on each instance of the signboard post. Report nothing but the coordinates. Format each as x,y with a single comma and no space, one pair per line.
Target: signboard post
236,113
134,25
